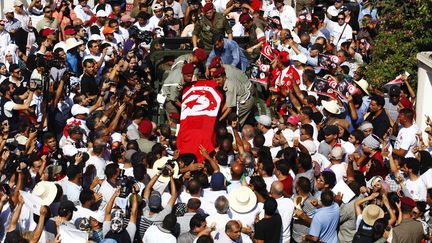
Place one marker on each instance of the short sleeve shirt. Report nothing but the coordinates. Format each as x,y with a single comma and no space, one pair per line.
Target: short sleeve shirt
206,29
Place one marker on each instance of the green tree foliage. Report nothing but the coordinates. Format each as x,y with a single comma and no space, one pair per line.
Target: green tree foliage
406,29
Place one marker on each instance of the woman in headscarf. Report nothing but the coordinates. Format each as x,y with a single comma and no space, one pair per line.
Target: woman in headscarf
3,72
26,36
10,55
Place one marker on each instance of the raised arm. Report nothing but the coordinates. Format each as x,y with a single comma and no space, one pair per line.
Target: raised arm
110,204
16,214
149,186
40,226
173,190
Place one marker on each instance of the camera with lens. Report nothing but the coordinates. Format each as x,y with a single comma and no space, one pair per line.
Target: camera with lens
126,184
14,161
170,164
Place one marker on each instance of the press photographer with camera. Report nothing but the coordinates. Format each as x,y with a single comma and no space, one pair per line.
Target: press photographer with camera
114,227
153,213
11,109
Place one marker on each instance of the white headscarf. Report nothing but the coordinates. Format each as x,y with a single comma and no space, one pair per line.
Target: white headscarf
11,49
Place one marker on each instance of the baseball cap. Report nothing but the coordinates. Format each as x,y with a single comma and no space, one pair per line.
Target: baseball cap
108,30
217,181
265,120
394,90
68,205
293,120
155,200
79,109
157,6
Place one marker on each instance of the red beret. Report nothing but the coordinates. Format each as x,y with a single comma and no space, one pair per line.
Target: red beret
406,103
47,31
219,72
283,56
408,201
175,116
215,62
145,127
245,18
201,54
69,31
207,7
188,68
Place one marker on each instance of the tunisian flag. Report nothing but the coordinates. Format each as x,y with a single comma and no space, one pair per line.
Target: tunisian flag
200,106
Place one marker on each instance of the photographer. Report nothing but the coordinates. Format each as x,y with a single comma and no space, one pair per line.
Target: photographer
113,227
153,212
10,109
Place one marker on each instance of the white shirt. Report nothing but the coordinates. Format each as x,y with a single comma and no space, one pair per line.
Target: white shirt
81,14
339,170
288,17
86,213
132,131
220,5
417,189
154,20
268,138
407,140
107,191
268,181
178,12
155,235
427,178
99,163
249,217
286,211
71,191
338,32
146,27
219,220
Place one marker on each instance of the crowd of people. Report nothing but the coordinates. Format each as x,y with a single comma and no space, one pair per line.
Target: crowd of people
85,156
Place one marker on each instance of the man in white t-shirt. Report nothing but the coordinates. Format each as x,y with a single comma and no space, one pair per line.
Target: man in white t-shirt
414,185
264,125
285,209
407,136
338,167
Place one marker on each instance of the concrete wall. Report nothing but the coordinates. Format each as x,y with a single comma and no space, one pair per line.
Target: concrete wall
424,90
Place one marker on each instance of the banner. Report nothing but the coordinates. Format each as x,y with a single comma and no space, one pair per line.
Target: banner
327,61
332,88
259,73
201,103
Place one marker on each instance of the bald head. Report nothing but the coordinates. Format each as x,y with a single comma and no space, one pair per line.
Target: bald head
236,171
248,131
277,189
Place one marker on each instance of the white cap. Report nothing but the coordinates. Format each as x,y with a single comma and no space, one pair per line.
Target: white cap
264,119
61,45
96,37
101,13
8,10
79,109
157,6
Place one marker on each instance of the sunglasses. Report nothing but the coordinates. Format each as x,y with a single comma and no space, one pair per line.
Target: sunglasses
49,11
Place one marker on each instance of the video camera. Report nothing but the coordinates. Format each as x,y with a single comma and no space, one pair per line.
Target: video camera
126,184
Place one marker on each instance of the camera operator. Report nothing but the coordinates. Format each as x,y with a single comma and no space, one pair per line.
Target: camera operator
10,109
153,212
37,77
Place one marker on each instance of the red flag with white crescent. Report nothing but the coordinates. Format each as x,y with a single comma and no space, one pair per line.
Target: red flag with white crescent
201,103
267,51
